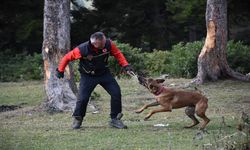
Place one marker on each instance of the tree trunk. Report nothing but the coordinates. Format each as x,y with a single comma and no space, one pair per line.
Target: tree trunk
212,61
61,93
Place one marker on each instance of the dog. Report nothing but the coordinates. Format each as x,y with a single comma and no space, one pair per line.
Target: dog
170,98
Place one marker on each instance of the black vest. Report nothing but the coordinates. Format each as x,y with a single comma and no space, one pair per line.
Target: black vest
93,63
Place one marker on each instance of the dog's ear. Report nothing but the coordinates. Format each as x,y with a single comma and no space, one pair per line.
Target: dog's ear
160,80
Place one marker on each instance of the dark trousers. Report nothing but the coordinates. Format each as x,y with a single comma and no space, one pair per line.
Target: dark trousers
88,84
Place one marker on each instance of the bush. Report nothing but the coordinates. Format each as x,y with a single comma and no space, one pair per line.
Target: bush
183,59
157,62
133,55
20,66
75,65
148,63
238,56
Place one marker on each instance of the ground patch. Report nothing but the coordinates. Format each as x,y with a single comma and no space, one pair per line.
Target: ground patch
4,108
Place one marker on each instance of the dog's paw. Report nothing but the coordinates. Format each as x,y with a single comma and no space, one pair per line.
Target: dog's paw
187,127
146,118
192,125
138,111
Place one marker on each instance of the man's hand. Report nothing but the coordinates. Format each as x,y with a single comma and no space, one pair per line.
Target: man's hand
59,74
128,69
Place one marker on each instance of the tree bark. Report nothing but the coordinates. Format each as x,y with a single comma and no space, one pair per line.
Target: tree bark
61,93
212,61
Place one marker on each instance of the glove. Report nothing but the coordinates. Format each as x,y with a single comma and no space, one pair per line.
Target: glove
127,69
59,74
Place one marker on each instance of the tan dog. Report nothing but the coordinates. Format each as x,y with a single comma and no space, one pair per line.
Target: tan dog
170,98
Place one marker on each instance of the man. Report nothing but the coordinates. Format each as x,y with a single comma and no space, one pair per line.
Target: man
94,70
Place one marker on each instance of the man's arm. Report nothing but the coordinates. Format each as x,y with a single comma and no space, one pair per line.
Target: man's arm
118,55
70,56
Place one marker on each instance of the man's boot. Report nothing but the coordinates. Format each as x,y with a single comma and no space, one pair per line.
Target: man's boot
117,123
77,122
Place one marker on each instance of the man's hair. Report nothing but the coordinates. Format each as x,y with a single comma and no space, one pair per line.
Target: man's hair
97,36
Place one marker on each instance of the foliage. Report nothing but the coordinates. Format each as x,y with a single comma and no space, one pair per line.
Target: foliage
75,65
21,25
189,16
146,24
180,61
238,20
157,62
238,56
20,66
183,60
133,55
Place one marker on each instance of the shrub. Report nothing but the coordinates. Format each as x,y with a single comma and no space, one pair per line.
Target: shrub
75,65
157,62
20,66
238,56
133,55
183,59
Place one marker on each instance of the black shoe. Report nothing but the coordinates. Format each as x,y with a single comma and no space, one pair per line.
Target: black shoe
77,122
117,123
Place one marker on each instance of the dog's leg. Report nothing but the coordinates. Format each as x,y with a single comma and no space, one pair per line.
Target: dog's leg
200,111
146,106
190,111
205,120
162,109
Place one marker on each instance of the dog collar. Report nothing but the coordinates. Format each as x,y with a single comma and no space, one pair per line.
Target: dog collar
159,91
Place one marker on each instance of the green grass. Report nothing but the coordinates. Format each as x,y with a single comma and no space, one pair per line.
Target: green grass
28,129
24,93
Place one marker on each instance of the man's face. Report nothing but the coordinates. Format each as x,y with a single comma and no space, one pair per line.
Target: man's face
100,44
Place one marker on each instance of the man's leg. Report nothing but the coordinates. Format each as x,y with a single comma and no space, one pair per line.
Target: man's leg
87,85
111,86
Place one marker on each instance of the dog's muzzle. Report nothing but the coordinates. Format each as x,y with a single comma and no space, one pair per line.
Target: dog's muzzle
142,81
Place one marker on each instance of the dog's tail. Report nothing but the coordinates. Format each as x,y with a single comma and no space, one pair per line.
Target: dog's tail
197,90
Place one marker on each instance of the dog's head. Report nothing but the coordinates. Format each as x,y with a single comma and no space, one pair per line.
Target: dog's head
151,84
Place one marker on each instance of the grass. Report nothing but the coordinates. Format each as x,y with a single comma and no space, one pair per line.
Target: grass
24,93
28,129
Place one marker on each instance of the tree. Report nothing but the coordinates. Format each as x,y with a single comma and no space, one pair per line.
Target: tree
238,20
142,24
61,94
188,16
21,25
212,62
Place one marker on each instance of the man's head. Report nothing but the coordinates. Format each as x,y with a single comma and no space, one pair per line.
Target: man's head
98,40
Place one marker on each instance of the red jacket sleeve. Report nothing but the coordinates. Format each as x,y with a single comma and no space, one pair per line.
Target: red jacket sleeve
70,56
118,55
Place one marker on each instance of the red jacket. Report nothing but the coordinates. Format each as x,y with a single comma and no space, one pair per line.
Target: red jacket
75,54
